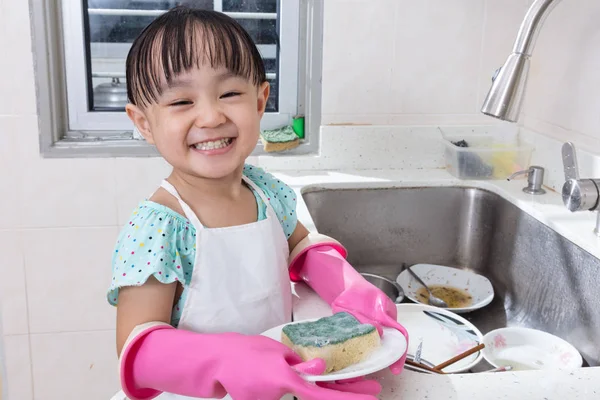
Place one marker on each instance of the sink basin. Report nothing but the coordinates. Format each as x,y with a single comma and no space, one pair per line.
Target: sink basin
541,280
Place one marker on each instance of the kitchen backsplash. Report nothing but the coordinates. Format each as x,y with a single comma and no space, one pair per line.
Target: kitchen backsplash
409,62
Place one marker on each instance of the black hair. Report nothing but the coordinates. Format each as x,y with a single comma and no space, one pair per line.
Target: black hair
184,38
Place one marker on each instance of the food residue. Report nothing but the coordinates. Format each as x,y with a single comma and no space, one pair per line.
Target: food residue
454,297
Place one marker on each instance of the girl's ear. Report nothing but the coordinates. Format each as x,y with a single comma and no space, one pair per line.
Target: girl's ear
263,96
139,119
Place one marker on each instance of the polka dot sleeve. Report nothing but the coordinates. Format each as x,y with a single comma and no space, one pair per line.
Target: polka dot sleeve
282,197
155,242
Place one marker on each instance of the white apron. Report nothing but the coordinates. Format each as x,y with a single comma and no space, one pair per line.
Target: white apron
240,282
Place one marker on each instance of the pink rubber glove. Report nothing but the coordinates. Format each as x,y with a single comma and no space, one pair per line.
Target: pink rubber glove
324,268
165,359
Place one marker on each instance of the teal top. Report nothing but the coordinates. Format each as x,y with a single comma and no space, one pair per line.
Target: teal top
159,242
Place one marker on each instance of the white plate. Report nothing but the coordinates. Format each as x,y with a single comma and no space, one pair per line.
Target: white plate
393,346
526,349
479,287
441,334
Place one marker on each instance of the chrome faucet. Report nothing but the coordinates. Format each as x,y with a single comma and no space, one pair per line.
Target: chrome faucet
579,194
505,97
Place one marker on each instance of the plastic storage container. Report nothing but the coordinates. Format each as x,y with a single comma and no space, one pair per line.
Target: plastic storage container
496,154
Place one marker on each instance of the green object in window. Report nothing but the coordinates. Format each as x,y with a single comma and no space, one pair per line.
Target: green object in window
298,126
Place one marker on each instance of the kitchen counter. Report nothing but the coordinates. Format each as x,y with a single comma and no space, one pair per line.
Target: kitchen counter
583,383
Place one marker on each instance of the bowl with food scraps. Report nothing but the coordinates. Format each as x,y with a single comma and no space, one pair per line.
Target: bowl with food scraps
462,290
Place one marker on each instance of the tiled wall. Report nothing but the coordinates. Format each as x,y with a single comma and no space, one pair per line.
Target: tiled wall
414,62
58,222
406,62
563,98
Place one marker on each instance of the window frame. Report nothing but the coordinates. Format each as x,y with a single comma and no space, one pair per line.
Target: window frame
54,71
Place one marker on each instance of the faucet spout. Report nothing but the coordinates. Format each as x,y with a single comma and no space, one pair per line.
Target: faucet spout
530,27
506,94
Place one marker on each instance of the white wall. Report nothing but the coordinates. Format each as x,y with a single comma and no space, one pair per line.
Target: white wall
388,62
408,62
563,98
414,62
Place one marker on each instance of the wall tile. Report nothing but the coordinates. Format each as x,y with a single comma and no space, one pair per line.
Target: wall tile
564,80
69,192
18,148
18,367
502,22
436,56
16,71
357,56
68,273
13,297
74,366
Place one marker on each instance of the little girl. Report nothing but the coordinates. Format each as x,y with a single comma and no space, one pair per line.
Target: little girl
204,265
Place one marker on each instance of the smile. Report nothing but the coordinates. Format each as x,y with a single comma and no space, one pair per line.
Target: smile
214,144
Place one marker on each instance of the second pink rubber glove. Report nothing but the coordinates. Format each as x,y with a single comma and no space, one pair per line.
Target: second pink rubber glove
324,268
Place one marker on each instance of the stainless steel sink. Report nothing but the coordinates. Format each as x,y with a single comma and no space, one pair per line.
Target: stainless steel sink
541,280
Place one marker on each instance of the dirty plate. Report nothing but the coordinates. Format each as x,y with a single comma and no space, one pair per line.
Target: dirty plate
477,289
440,335
527,349
393,346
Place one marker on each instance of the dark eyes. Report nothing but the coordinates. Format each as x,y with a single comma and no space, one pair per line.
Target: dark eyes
188,102
230,94
180,103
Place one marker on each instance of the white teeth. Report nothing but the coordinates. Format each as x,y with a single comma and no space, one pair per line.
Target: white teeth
216,144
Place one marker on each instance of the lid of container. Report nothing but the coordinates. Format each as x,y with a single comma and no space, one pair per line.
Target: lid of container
110,94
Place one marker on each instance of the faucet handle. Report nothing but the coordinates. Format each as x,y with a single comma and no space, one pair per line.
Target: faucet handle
578,194
569,157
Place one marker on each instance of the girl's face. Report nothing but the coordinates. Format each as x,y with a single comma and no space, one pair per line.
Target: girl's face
206,123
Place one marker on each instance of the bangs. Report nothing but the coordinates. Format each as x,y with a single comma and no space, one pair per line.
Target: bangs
184,39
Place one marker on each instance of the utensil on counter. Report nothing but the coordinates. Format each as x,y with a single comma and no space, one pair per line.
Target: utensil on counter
423,367
434,301
438,368
418,352
459,357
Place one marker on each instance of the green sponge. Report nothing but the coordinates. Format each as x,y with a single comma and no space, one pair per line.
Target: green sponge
341,340
279,139
326,331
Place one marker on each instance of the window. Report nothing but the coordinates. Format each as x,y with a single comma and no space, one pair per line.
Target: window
81,46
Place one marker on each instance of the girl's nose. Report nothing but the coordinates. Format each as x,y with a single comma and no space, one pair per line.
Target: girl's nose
209,116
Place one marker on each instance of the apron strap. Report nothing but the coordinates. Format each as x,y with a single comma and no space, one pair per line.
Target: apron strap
270,211
192,216
186,209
